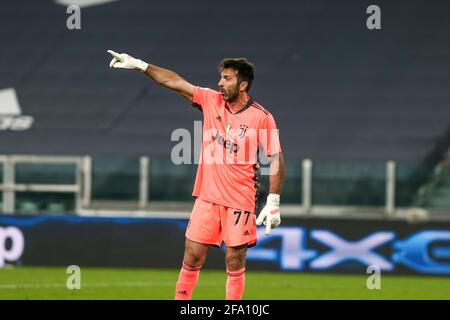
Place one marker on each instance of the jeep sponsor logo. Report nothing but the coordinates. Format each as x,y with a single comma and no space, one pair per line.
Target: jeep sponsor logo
226,143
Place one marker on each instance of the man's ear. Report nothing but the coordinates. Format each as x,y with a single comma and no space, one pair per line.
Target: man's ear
243,86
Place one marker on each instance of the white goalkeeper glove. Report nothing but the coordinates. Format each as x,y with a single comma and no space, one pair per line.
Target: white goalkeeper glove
270,214
125,61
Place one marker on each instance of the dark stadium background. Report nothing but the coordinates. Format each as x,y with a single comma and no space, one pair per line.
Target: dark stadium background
363,114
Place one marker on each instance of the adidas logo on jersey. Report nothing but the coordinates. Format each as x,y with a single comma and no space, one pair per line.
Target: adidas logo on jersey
11,117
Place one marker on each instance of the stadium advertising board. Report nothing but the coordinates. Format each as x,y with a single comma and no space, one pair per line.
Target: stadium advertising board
313,245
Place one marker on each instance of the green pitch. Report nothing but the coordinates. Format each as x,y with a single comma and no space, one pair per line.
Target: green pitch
96,283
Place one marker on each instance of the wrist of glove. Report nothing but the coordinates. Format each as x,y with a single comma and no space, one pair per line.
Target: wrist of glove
270,214
125,61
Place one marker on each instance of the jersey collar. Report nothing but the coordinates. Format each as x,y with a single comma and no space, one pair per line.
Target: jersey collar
247,105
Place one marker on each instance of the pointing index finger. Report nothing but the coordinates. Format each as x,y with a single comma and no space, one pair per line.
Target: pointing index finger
114,54
268,224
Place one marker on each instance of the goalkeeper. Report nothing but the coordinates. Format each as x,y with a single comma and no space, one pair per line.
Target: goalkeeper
226,187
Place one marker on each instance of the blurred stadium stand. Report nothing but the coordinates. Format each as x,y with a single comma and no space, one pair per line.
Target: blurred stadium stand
436,192
348,98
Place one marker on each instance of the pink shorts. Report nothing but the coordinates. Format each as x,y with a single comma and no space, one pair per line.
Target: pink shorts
212,223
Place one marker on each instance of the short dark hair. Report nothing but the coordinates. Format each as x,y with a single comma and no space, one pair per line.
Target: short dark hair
244,69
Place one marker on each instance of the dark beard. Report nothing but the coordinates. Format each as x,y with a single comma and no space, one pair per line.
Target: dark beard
233,95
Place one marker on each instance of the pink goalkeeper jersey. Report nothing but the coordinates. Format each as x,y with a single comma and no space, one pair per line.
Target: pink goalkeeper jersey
229,168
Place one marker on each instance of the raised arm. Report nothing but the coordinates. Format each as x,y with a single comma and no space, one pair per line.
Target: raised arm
164,77
171,80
